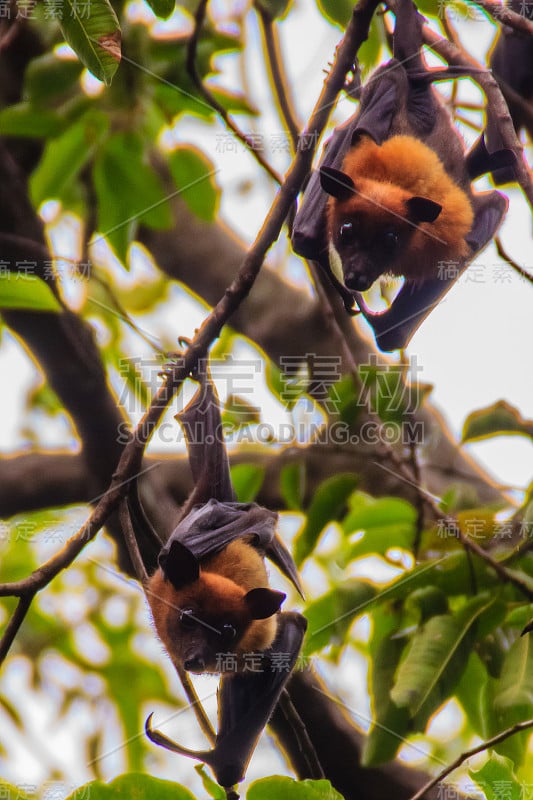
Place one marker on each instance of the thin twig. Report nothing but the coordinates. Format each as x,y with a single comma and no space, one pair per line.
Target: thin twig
517,268
277,73
208,96
194,701
468,122
304,742
501,737
131,543
14,624
415,469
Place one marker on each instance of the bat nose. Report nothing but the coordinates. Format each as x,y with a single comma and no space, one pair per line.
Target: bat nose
196,664
359,282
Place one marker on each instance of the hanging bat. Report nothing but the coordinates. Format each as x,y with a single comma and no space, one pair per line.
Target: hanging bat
511,61
210,600
392,195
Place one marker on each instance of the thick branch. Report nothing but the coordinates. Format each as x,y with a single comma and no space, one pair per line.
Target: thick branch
338,745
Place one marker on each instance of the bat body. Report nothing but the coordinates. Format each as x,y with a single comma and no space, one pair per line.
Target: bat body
210,600
393,209
221,604
375,165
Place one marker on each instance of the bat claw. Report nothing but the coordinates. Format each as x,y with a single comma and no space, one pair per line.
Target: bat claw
163,741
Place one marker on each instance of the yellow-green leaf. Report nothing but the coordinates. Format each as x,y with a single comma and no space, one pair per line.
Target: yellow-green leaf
28,292
95,37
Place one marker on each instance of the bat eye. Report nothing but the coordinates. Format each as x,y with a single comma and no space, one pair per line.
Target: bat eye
346,232
228,632
390,240
187,618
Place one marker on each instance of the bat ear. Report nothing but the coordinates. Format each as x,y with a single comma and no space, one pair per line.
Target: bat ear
262,603
422,209
179,565
336,183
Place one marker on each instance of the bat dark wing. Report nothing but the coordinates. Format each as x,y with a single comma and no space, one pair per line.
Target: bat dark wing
395,327
209,528
246,701
216,519
208,459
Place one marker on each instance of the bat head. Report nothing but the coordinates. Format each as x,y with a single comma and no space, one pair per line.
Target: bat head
206,620
371,226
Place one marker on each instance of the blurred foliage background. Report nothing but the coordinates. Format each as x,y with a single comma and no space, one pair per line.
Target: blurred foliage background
419,639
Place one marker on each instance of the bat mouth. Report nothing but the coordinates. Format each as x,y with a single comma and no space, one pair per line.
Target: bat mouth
196,665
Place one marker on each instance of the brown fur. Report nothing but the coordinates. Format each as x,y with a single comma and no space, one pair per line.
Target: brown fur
385,177
217,597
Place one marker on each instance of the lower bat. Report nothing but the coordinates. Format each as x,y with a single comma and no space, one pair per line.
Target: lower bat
211,602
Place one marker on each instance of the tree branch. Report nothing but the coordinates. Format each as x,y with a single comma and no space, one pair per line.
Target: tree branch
208,96
495,101
277,74
506,16
500,737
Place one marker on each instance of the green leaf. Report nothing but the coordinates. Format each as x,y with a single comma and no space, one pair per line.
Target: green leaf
162,8
282,788
343,397
193,174
23,120
436,658
501,418
273,8
247,479
238,412
49,78
471,692
513,696
328,502
26,291
387,522
427,602
330,617
519,617
95,39
234,102
292,485
497,779
212,788
451,573
128,192
390,724
429,7
132,786
337,11
65,157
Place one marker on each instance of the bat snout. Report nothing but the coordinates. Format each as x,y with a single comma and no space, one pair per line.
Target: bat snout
194,664
358,281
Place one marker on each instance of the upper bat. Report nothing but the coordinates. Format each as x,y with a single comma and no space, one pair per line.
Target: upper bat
389,223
